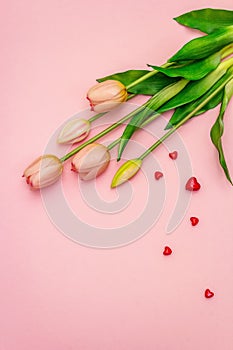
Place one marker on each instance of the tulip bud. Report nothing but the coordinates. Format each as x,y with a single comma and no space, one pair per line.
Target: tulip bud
74,131
43,172
126,171
91,161
106,95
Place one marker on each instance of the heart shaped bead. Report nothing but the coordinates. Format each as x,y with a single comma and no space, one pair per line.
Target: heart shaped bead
173,155
192,184
158,175
208,293
194,220
167,251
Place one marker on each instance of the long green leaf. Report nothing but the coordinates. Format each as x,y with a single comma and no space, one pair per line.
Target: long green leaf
125,78
211,104
196,89
207,20
204,46
181,112
218,128
149,86
151,106
131,127
195,70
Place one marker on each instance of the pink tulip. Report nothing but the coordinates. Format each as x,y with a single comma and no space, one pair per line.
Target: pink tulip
91,161
106,95
74,131
43,172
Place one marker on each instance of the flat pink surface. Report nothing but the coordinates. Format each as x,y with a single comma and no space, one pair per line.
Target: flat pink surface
57,294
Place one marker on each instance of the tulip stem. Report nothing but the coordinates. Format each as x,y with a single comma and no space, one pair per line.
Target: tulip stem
113,144
146,76
147,121
95,117
190,115
99,115
105,131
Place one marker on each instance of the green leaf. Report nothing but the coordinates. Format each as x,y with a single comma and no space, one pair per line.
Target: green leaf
211,104
181,112
195,70
150,107
149,86
204,46
131,127
207,20
196,89
218,128
125,78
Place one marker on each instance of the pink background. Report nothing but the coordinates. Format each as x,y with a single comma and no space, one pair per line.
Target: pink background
56,294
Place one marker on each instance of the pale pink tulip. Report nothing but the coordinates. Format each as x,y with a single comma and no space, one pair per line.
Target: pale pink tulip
74,131
43,172
106,95
91,161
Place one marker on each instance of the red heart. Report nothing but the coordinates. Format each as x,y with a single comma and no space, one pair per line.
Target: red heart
158,175
173,155
208,294
167,251
194,220
192,184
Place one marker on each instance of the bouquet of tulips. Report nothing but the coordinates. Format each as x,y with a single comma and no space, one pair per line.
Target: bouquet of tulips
198,77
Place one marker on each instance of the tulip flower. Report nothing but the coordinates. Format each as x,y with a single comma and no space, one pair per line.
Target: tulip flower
126,172
74,131
106,95
43,172
91,161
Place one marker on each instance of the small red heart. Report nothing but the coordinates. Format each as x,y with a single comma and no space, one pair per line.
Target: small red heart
167,251
158,175
194,220
208,294
192,184
173,155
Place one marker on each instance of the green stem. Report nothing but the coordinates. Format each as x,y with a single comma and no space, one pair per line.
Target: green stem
99,115
147,121
105,131
146,76
95,117
113,144
190,115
